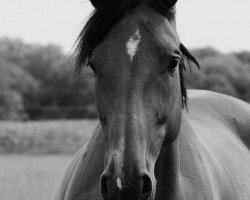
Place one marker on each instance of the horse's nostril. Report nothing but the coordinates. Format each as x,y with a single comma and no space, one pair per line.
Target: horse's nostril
104,186
147,186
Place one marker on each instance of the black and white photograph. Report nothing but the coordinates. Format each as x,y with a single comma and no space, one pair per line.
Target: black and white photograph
124,100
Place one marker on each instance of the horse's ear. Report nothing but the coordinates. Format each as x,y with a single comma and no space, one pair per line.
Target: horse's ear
96,3
172,3
166,3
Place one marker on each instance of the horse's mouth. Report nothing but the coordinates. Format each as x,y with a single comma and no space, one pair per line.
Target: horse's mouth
124,196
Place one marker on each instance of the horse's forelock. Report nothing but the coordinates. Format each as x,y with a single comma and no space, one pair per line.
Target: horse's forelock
105,17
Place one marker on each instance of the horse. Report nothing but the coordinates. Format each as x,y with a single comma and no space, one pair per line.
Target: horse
155,140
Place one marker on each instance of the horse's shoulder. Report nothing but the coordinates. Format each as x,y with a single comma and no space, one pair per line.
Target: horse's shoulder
211,142
228,110
218,101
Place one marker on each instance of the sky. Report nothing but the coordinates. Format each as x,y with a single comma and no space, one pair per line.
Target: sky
222,24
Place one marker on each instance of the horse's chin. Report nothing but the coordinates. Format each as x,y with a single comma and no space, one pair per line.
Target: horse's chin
152,197
125,197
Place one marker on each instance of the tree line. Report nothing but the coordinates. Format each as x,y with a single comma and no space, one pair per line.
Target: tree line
36,82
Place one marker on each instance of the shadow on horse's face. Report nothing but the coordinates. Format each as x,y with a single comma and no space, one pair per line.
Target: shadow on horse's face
138,100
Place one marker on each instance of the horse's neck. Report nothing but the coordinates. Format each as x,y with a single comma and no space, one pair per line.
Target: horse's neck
167,172
167,168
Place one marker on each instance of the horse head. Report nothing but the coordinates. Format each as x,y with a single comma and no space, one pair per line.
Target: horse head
137,58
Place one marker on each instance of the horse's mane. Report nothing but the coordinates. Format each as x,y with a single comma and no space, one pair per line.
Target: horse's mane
109,14
183,68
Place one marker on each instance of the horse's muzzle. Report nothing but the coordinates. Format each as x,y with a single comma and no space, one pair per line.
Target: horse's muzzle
134,188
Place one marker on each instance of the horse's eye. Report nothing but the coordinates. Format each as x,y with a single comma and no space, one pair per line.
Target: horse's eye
172,65
92,67
161,120
103,120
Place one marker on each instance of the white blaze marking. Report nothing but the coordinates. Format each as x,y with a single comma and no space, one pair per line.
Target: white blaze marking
132,44
119,183
119,153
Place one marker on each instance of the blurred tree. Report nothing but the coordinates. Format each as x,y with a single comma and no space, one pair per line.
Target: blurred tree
11,105
206,53
45,76
15,78
221,73
244,57
15,83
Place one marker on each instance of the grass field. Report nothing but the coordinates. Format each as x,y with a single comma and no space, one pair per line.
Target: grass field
33,155
45,137
27,177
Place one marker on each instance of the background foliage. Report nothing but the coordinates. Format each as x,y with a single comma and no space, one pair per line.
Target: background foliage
36,82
